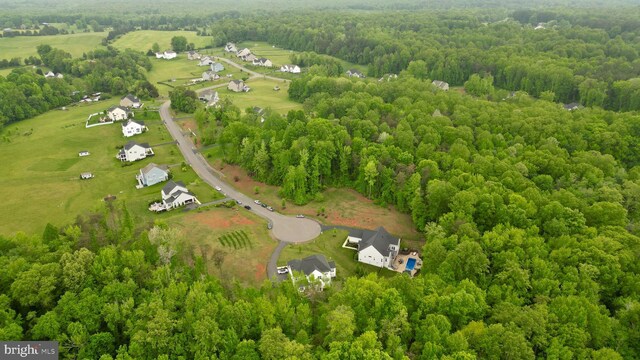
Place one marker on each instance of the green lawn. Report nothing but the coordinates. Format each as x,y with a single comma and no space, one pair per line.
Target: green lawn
263,95
41,171
329,244
25,46
143,39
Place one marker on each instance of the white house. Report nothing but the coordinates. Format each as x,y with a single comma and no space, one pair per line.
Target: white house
132,151
442,85
209,76
294,69
237,86
375,247
210,97
176,194
116,113
205,61
49,74
355,73
132,127
231,47
84,153
167,55
248,58
152,174
315,269
262,62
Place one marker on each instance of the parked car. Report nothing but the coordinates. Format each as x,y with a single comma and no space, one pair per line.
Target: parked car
247,207
299,216
263,205
257,202
218,188
269,225
238,202
269,208
283,270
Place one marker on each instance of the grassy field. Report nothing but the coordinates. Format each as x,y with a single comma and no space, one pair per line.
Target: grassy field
143,39
164,72
329,244
41,169
245,263
25,46
263,95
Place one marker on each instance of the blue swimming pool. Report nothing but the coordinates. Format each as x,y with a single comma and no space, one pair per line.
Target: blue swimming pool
411,263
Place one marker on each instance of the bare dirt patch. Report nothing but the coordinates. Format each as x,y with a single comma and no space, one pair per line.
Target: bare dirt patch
219,220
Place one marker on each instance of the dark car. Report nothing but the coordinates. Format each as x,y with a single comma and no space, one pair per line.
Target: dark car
247,207
263,205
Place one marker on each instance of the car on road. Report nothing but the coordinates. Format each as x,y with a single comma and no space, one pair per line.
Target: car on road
269,225
299,216
283,270
247,207
263,205
238,202
218,188
257,202
269,208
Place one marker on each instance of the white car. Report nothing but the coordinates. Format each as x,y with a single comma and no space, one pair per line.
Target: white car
218,188
257,202
283,270
299,216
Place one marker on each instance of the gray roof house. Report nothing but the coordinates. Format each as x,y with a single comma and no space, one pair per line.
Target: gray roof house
132,151
176,194
152,174
237,86
442,85
130,101
375,247
315,268
355,73
217,67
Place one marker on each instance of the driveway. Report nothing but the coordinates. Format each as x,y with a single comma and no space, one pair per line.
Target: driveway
288,229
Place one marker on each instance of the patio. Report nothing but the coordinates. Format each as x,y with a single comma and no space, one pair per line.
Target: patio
401,261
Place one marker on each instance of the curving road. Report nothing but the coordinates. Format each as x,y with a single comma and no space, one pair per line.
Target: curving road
253,74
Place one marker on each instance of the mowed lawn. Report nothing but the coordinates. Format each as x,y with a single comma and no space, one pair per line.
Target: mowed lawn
263,95
41,171
235,243
142,40
25,46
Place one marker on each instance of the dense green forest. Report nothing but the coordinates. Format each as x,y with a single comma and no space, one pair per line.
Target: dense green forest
577,56
105,288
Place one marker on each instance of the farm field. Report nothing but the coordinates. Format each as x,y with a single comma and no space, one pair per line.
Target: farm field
329,244
142,40
234,243
41,187
25,46
263,95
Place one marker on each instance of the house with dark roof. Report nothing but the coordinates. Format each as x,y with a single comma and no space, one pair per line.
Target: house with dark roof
262,62
130,101
355,73
133,127
375,247
152,174
571,106
231,47
132,151
176,194
314,269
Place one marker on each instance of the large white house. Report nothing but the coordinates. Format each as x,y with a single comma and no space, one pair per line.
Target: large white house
116,113
132,151
209,76
313,270
210,97
176,194
375,247
231,47
132,127
294,69
355,73
205,61
167,55
262,62
244,52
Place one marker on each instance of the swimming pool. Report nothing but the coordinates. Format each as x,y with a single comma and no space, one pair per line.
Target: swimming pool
411,263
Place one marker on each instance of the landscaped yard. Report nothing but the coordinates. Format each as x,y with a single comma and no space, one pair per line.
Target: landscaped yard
142,40
41,169
234,242
25,46
329,244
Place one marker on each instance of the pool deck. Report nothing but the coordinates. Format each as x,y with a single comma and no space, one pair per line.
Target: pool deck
400,262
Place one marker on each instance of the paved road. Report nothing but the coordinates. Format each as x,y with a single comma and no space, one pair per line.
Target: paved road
272,266
285,228
253,74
